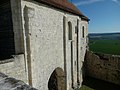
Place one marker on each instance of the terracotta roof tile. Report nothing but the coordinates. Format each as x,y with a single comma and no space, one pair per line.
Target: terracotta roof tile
64,5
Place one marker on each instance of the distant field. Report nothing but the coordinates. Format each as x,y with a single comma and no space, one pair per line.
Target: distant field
105,46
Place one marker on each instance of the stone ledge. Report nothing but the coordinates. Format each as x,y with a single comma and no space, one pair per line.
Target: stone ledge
7,61
9,83
13,57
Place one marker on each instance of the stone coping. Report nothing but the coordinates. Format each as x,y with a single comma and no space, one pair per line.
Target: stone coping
9,83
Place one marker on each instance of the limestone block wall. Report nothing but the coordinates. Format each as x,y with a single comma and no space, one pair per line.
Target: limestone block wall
83,46
104,67
44,42
44,32
42,36
14,67
84,40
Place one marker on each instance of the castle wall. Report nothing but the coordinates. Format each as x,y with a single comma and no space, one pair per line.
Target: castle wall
83,46
104,67
43,28
44,43
41,34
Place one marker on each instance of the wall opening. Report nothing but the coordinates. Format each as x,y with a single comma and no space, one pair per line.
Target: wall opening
83,31
7,47
69,31
57,80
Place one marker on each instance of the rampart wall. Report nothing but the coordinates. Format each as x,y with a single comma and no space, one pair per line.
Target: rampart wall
103,66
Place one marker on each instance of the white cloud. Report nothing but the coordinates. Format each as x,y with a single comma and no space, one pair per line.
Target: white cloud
116,1
87,2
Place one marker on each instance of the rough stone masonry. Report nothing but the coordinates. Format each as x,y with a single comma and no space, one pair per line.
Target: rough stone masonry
9,83
45,36
103,66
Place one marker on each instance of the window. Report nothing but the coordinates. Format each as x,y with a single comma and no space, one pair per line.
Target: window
69,30
83,31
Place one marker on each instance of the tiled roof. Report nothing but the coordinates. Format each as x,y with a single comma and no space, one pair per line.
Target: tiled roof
64,5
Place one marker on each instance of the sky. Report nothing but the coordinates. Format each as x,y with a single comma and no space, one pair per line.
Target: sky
104,15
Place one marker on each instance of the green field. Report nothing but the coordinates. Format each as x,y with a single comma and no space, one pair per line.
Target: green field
105,46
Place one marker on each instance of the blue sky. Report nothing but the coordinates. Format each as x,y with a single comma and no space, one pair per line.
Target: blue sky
104,14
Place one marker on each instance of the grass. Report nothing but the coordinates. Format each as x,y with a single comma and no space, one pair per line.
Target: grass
96,84
105,46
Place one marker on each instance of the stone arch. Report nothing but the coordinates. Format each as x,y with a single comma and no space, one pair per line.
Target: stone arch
57,80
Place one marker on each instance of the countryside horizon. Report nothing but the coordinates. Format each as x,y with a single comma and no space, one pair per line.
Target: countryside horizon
103,32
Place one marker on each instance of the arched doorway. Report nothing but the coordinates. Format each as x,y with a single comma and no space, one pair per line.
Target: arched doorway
57,80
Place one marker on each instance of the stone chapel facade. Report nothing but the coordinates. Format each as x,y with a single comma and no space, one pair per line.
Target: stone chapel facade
43,43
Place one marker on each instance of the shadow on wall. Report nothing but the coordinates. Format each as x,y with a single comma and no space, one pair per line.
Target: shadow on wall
7,45
57,80
96,84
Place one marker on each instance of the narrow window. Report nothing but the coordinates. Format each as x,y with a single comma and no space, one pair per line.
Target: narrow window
83,31
69,30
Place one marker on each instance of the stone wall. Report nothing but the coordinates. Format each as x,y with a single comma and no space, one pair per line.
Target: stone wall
11,46
104,67
41,35
48,46
9,83
14,67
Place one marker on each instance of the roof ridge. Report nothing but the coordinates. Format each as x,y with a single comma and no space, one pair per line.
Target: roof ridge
64,5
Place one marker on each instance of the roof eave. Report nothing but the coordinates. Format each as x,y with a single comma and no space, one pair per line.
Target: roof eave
63,8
